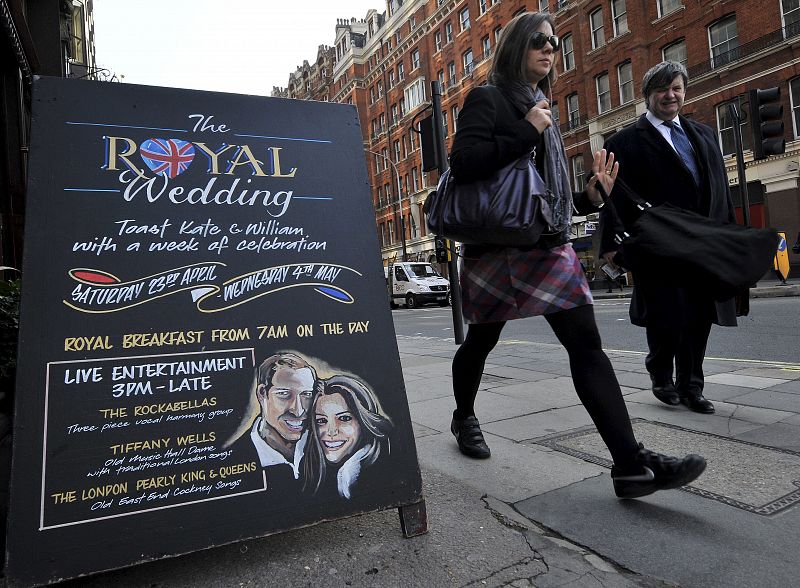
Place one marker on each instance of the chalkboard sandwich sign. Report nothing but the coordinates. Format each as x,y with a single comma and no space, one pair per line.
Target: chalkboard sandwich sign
206,353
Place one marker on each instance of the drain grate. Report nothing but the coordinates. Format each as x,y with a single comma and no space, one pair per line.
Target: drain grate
756,478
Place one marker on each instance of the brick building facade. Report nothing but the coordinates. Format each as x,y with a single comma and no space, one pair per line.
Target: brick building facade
385,62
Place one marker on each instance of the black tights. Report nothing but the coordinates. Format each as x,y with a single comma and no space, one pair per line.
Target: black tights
592,375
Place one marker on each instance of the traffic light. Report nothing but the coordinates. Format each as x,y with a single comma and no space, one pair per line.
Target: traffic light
442,247
766,116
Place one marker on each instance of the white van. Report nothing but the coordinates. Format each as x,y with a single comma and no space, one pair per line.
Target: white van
414,283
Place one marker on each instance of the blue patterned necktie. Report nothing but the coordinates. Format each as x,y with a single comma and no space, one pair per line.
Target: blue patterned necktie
684,148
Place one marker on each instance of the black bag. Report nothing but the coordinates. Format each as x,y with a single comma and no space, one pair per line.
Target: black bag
509,209
684,248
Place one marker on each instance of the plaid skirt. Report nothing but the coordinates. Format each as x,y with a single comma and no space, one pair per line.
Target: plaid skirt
509,283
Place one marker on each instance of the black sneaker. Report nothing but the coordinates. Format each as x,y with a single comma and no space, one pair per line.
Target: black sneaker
470,437
658,472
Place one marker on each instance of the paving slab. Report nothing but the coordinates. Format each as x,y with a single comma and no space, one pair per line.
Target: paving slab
678,537
514,472
421,389
744,381
540,423
634,380
723,410
681,417
781,373
783,435
489,407
792,386
770,399
516,373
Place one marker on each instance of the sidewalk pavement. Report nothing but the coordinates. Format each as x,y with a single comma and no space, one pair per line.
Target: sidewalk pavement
541,512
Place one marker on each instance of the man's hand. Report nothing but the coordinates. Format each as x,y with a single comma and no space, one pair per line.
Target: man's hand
608,256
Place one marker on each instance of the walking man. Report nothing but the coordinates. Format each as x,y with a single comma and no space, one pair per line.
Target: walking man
665,157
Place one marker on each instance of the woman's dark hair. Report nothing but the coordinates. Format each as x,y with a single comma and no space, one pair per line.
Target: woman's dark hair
509,64
361,402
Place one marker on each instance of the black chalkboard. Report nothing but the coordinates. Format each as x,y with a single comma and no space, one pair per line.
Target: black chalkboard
206,353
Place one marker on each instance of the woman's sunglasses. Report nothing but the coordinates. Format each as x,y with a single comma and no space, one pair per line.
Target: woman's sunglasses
538,41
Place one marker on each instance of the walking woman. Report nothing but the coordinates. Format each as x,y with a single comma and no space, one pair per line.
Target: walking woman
499,123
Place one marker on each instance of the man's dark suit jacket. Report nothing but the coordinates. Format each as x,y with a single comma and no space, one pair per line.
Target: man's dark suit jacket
652,169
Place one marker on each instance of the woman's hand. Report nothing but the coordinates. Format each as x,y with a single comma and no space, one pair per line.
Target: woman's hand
540,116
605,171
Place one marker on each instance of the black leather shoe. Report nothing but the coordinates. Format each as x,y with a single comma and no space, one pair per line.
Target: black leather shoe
665,392
698,403
470,437
652,472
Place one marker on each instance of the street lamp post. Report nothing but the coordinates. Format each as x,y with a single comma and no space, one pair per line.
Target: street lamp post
402,224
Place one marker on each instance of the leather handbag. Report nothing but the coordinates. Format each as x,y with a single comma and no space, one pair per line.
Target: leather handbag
509,209
683,248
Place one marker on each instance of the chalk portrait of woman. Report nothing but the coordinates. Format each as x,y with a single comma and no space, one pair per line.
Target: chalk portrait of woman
349,433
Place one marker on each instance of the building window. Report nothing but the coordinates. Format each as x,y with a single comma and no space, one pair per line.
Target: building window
544,6
440,77
402,103
486,47
596,26
396,146
437,40
451,74
794,97
675,52
723,41
467,61
444,123
382,122
415,59
568,52
415,93
385,154
415,178
603,93
448,32
625,77
573,115
790,11
401,72
482,6
578,175
619,14
463,19
411,136
497,32
77,34
554,112
395,114
391,78
380,88
372,95
725,125
454,116
412,23
667,6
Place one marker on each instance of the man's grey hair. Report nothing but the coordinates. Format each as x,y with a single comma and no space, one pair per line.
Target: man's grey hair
661,76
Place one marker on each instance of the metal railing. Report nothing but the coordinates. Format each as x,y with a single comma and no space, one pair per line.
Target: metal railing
573,123
745,50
